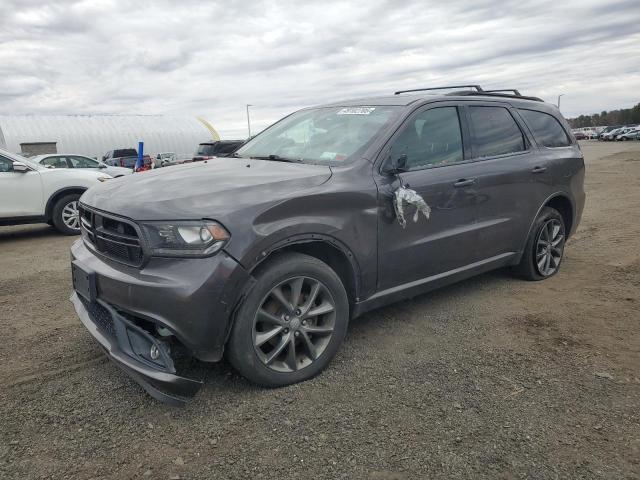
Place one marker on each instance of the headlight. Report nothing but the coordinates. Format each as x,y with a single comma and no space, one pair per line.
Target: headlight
185,239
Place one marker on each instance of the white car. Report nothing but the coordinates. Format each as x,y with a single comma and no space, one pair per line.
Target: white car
79,161
32,193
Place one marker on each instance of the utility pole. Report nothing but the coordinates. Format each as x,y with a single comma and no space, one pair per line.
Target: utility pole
559,100
248,120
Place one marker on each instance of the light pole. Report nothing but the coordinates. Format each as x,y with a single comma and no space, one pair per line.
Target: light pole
248,120
562,94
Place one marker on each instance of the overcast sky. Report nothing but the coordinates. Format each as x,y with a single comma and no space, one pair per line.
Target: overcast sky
211,58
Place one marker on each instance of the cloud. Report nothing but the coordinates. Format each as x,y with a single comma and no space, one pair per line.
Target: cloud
212,58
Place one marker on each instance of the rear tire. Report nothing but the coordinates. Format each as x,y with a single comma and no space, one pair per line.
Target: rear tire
65,215
544,250
292,322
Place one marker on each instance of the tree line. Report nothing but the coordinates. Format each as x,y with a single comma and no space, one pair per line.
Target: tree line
623,116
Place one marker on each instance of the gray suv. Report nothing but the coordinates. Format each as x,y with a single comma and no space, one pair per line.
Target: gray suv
329,213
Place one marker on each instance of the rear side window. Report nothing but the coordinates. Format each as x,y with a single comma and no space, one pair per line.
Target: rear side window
495,132
546,129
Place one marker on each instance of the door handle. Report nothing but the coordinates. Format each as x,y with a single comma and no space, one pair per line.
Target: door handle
464,182
538,169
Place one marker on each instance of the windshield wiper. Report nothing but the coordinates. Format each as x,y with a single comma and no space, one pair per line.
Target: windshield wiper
277,158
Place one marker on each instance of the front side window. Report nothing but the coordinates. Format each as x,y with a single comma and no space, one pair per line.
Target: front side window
332,135
431,138
546,129
82,162
6,165
55,162
495,132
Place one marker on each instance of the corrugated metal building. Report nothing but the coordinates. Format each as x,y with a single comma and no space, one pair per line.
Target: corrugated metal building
93,135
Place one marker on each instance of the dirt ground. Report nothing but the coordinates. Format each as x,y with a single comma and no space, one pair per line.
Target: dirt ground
491,378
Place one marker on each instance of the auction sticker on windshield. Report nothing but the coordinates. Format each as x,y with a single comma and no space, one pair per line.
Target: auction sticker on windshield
356,111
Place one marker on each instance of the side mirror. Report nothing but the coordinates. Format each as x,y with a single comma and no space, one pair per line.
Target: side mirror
396,165
102,165
20,167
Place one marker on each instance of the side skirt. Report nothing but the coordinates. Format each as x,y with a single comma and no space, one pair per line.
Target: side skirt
424,285
23,220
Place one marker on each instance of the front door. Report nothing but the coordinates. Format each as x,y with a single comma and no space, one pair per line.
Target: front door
20,192
435,144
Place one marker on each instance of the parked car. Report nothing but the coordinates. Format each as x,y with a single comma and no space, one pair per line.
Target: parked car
579,135
165,159
333,211
219,148
629,134
606,130
79,161
591,134
611,134
125,157
32,193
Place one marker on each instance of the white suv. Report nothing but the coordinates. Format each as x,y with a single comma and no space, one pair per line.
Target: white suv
32,193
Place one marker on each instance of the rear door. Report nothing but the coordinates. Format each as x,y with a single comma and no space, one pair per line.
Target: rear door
511,183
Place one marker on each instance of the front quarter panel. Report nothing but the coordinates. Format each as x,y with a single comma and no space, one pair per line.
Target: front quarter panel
342,212
55,180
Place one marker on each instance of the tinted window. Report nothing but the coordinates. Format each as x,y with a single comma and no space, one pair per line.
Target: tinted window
545,128
55,162
82,162
125,152
207,149
431,138
495,132
228,147
6,165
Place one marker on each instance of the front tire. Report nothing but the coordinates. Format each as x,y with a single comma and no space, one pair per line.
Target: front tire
65,215
544,250
292,322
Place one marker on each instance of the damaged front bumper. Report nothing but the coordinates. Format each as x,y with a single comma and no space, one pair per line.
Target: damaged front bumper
141,355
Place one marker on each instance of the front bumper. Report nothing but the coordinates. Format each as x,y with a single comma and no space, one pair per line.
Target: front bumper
192,298
125,343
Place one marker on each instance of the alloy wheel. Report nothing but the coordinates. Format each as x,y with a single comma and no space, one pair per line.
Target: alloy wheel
294,324
549,247
70,215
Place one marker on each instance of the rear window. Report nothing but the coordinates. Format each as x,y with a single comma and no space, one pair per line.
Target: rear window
495,132
546,129
207,149
228,147
125,152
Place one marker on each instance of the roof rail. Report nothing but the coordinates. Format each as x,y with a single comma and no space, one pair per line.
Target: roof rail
477,87
489,93
502,90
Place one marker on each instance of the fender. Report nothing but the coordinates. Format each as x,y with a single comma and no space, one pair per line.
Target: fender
307,238
544,204
49,206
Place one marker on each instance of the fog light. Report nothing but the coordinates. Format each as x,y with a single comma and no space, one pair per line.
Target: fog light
154,353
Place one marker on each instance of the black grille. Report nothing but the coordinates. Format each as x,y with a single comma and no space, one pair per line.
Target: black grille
100,316
113,237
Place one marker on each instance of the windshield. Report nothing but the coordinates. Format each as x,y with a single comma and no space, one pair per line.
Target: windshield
332,135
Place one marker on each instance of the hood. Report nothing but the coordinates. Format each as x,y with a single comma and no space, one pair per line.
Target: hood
211,189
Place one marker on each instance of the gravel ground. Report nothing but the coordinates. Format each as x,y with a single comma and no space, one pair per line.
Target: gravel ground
491,378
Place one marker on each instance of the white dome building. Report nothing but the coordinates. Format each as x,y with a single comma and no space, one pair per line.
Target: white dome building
93,135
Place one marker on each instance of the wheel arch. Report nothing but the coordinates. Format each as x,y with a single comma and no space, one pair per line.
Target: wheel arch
57,195
565,206
326,249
